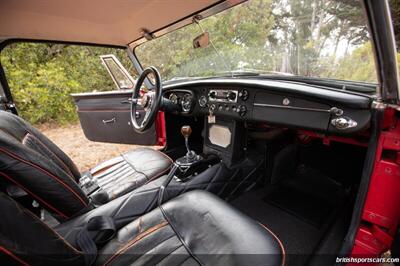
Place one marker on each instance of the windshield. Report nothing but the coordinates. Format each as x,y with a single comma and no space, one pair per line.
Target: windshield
312,38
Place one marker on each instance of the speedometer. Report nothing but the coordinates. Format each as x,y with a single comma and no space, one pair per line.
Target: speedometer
174,98
187,102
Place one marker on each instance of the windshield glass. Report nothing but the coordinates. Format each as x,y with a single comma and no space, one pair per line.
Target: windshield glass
313,38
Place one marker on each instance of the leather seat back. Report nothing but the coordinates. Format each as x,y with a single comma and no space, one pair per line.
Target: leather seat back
26,240
32,162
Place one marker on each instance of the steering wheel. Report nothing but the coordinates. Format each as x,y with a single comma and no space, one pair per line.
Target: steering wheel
150,101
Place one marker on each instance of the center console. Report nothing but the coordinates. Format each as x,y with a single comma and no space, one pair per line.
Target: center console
225,138
224,141
191,164
227,102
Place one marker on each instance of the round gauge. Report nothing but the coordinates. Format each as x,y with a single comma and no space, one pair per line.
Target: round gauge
174,98
203,101
186,102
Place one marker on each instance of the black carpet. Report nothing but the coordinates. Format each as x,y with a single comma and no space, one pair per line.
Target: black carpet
305,198
299,220
308,208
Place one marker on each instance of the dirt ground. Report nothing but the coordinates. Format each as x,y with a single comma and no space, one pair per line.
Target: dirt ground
83,152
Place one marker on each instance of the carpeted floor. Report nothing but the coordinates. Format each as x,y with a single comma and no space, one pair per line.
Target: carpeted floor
300,219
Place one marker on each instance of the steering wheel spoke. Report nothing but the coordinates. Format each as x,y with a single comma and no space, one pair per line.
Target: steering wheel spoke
146,117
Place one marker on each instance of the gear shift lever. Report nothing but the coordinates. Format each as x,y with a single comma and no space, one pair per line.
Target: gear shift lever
190,157
186,131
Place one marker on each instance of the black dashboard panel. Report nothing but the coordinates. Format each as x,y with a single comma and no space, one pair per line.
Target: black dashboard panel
281,103
290,111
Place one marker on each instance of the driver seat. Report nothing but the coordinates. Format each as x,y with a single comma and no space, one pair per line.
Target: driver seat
33,163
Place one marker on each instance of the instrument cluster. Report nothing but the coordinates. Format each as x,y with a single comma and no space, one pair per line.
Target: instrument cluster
212,101
184,99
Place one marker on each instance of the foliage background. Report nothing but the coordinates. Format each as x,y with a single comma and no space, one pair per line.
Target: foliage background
317,38
43,75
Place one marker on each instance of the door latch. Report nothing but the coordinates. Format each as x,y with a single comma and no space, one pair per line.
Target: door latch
129,100
343,123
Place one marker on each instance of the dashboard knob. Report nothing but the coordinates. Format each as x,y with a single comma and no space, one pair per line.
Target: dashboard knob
213,107
244,95
212,95
231,96
241,110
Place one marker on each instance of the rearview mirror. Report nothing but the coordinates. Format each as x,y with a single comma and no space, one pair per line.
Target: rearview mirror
201,41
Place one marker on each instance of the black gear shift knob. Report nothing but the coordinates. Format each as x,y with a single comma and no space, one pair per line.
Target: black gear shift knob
186,131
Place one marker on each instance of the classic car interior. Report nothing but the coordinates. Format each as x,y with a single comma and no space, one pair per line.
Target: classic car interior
262,165
297,176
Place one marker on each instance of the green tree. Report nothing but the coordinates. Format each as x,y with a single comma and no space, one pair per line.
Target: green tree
43,75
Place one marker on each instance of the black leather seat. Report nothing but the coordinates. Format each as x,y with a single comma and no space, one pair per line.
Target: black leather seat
32,162
129,171
196,228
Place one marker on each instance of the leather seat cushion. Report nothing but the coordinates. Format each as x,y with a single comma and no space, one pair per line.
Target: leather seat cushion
194,228
27,240
32,162
131,170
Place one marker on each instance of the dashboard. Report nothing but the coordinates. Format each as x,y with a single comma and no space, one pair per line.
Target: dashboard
280,103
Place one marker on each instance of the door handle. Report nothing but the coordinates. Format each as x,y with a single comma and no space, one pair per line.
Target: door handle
112,120
129,100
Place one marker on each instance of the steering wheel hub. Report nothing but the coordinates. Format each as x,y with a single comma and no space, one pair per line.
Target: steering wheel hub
145,100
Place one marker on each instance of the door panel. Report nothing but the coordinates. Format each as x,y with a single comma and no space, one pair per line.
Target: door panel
105,117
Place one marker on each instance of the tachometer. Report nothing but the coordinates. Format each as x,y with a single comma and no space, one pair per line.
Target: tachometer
187,102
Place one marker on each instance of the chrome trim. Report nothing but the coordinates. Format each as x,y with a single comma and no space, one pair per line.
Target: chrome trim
286,101
189,20
125,72
292,107
379,105
102,93
336,111
343,123
112,120
223,100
